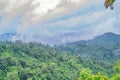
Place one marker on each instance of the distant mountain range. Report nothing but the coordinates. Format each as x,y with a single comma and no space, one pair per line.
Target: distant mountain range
105,39
7,36
106,43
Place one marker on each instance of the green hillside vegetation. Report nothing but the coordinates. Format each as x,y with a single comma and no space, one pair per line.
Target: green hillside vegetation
72,61
94,57
34,61
94,54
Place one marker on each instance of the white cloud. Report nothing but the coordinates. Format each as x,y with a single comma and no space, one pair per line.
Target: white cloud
106,26
93,18
45,6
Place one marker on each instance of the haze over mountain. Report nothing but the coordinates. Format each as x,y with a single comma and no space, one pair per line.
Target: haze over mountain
103,40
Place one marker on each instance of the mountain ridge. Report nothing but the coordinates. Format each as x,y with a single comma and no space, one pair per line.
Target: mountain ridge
103,40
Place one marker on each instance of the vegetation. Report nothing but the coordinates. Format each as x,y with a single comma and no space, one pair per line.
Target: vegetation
34,61
74,61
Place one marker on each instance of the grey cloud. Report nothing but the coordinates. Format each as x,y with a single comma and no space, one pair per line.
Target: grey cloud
25,9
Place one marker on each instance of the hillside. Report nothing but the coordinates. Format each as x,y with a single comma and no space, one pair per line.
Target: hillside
107,39
34,61
73,61
102,51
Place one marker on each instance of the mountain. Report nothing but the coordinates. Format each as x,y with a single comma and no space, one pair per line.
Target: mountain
67,38
34,61
7,36
106,39
51,40
102,50
108,43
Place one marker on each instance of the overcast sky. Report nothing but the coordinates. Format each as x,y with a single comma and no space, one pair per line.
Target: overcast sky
52,17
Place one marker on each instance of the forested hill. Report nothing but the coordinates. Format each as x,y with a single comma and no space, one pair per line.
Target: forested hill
99,53
107,44
106,39
74,61
34,61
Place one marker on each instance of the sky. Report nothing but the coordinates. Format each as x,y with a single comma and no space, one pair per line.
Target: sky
54,21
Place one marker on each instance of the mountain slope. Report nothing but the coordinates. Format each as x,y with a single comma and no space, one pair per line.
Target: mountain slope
102,51
106,39
34,61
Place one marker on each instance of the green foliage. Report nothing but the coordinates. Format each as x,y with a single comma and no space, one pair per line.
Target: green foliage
86,74
13,75
34,61
95,57
117,66
115,77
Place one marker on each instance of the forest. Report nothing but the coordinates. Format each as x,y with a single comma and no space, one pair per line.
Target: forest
80,60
